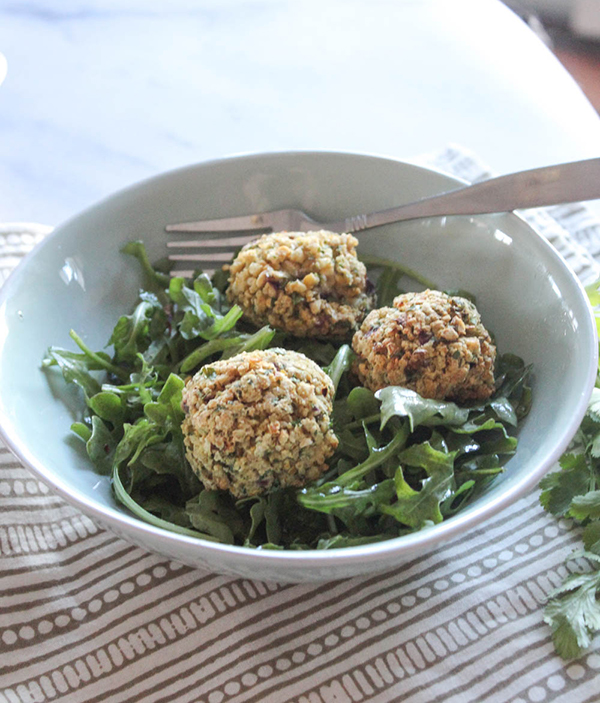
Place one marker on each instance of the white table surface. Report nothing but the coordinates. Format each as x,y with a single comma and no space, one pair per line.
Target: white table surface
102,93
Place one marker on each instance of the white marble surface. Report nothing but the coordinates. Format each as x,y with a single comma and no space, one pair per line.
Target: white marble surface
102,93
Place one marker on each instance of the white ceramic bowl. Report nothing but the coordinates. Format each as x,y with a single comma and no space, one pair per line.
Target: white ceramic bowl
78,279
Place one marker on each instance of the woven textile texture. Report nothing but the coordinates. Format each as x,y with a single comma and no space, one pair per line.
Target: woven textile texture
84,616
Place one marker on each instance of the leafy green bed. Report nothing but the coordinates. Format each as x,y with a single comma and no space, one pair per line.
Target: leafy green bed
403,463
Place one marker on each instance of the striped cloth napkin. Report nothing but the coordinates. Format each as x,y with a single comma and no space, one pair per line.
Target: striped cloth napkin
86,617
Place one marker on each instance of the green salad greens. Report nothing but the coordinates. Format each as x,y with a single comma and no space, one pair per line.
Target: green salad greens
403,463
573,609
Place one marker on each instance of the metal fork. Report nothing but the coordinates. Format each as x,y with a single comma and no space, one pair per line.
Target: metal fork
550,185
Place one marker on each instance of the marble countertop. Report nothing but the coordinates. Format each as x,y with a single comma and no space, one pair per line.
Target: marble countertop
102,93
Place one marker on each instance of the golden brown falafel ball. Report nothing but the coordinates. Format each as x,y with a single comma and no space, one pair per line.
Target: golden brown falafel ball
257,421
310,284
430,342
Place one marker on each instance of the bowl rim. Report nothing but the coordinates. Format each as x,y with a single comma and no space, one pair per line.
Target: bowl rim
123,523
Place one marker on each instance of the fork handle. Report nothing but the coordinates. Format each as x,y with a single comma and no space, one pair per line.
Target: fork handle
550,185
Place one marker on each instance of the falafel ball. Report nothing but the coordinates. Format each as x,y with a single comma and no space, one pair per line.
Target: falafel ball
310,284
430,342
257,421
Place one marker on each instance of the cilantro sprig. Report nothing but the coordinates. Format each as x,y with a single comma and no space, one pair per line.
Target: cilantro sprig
573,609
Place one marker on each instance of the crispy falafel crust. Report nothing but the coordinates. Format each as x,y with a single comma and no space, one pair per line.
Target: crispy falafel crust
430,342
310,284
258,421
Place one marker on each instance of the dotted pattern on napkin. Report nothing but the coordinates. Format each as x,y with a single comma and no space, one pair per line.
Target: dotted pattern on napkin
86,617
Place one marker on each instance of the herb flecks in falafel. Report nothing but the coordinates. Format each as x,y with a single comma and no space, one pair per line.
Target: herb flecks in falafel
430,342
258,421
309,284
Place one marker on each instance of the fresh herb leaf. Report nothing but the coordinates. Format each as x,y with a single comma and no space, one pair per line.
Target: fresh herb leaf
100,445
586,507
560,487
591,537
341,364
75,368
418,508
403,402
154,280
123,497
131,334
573,611
362,403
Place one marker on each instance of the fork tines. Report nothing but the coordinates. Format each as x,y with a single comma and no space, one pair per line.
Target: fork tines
229,234
209,253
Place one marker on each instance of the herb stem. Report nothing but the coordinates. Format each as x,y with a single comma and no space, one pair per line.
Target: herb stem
377,457
158,281
136,509
340,364
369,420
205,350
103,363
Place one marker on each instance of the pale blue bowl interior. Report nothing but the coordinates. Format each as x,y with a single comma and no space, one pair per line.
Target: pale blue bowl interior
77,278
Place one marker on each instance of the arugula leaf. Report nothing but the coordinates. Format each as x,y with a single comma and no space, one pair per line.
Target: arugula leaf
131,334
208,513
457,499
108,406
418,508
347,503
154,280
82,430
166,411
341,364
100,445
351,445
377,456
98,359
123,497
504,410
205,289
229,345
137,437
273,518
415,508
425,456
403,402
75,369
205,351
257,515
168,458
362,403
261,339
397,466
200,319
